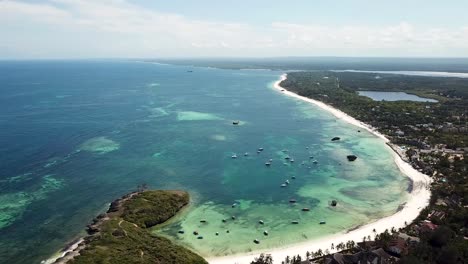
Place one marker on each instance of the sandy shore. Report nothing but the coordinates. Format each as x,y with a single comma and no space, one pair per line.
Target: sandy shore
418,199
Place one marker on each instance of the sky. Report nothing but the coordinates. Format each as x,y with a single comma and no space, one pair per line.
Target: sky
58,29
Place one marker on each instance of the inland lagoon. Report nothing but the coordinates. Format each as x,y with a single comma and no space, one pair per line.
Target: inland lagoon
78,134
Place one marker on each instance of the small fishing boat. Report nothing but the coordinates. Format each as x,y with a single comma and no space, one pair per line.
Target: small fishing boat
261,222
203,221
292,201
287,182
246,154
234,205
283,185
305,209
287,157
265,233
234,156
293,177
200,237
256,241
322,222
233,217
181,232
260,149
224,220
217,233
292,160
235,122
284,150
227,231
195,233
270,160
267,163
315,161
294,222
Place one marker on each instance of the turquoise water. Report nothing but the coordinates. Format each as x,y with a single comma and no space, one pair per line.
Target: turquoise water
76,135
394,96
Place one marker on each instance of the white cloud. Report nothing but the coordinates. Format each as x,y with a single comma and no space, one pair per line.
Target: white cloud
117,28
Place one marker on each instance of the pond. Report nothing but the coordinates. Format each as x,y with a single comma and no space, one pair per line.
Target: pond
395,96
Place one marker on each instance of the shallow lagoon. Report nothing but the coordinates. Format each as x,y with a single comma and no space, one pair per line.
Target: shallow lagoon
115,130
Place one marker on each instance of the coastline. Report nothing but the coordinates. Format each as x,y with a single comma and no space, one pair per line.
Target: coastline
418,199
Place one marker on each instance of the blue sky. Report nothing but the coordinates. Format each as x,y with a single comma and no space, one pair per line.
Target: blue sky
208,28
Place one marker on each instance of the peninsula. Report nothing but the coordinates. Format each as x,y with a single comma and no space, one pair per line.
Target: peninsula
123,233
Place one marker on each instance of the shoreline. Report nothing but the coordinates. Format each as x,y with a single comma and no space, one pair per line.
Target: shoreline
418,199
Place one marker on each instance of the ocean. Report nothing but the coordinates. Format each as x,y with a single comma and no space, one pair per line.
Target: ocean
75,135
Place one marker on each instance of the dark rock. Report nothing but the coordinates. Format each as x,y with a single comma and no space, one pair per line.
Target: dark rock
118,233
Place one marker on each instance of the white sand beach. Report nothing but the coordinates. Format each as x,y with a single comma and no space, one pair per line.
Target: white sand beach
418,199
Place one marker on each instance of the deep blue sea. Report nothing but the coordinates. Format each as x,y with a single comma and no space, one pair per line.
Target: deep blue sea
75,135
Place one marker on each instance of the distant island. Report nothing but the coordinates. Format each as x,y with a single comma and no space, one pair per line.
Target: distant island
122,235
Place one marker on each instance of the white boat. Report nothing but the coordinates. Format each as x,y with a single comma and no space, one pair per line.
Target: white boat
234,156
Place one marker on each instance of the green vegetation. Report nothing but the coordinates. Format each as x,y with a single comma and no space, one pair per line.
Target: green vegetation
122,237
153,207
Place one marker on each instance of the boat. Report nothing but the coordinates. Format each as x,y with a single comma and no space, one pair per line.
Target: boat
200,237
181,232
260,149
217,233
256,241
246,154
265,233
284,185
287,157
292,160
292,201
195,233
234,205
261,222
267,163
233,217
294,222
235,122
315,161
305,209
287,182
293,177
224,220
203,221
234,156
284,150
227,231
322,222
270,160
